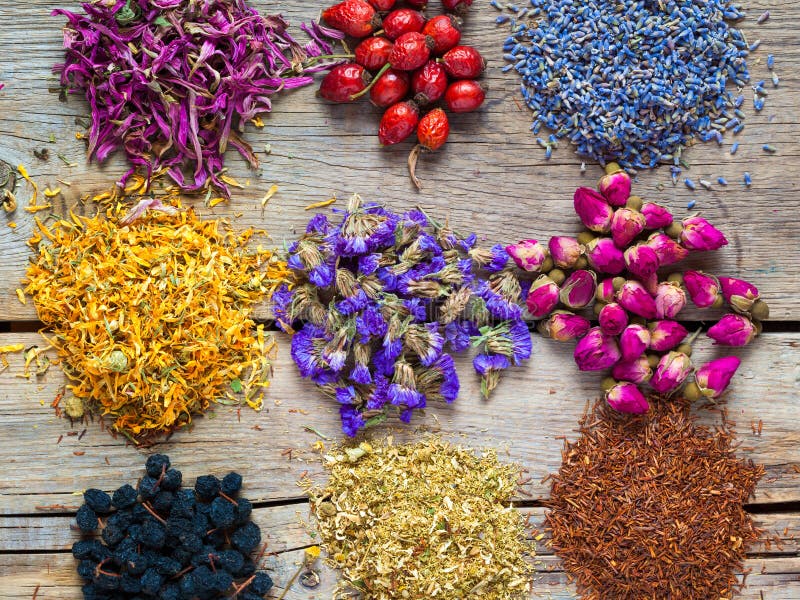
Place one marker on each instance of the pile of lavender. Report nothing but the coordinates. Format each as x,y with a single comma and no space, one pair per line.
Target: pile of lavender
634,81
163,541
379,302
615,265
173,82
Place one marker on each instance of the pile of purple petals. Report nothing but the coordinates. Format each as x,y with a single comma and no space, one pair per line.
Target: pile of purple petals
174,81
617,265
379,303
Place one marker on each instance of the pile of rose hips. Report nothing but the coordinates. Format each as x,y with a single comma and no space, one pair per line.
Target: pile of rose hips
617,265
408,64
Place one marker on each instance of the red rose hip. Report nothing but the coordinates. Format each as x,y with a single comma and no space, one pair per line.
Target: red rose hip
390,88
373,53
383,5
433,129
463,62
402,20
343,81
464,96
411,51
428,83
398,122
445,31
356,18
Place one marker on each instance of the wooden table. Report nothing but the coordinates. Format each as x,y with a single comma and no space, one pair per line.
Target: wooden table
492,177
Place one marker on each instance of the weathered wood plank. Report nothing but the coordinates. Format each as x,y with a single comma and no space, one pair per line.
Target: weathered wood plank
54,576
491,173
532,408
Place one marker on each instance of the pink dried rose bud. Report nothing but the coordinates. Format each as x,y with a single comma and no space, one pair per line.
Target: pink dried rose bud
596,351
641,261
666,335
633,341
703,289
607,289
668,250
593,210
615,185
713,377
604,256
626,224
613,319
627,398
563,326
528,254
733,330
636,371
636,299
670,300
699,234
578,289
565,251
543,297
740,294
656,216
671,372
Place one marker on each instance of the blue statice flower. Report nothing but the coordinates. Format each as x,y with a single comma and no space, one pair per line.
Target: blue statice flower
335,358
325,377
521,341
428,243
484,363
450,385
401,395
380,395
415,217
318,224
353,304
499,259
360,374
405,415
368,263
370,323
295,263
383,361
417,308
434,345
304,349
352,421
388,278
499,307
281,306
468,243
322,275
458,333
346,395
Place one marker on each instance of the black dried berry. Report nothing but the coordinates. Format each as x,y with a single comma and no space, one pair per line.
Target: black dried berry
98,501
261,584
86,519
130,584
124,497
113,535
222,581
152,534
222,513
106,581
86,569
148,487
172,480
207,487
231,560
156,465
231,483
162,503
244,509
84,549
151,582
246,538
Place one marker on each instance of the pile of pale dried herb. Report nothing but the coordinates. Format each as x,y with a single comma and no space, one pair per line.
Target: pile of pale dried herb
424,520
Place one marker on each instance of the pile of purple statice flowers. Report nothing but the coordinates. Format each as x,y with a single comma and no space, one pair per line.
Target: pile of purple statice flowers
381,300
618,265
173,82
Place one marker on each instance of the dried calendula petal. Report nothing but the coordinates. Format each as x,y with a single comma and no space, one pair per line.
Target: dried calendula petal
151,318
424,520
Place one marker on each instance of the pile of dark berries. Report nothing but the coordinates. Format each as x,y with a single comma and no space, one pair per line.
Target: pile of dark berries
162,541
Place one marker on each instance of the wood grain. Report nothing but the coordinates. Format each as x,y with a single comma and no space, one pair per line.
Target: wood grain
491,176
534,406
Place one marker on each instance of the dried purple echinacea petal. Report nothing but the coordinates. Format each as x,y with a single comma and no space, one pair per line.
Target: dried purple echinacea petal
174,85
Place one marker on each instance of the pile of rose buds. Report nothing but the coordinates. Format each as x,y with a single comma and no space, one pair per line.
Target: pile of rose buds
615,264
